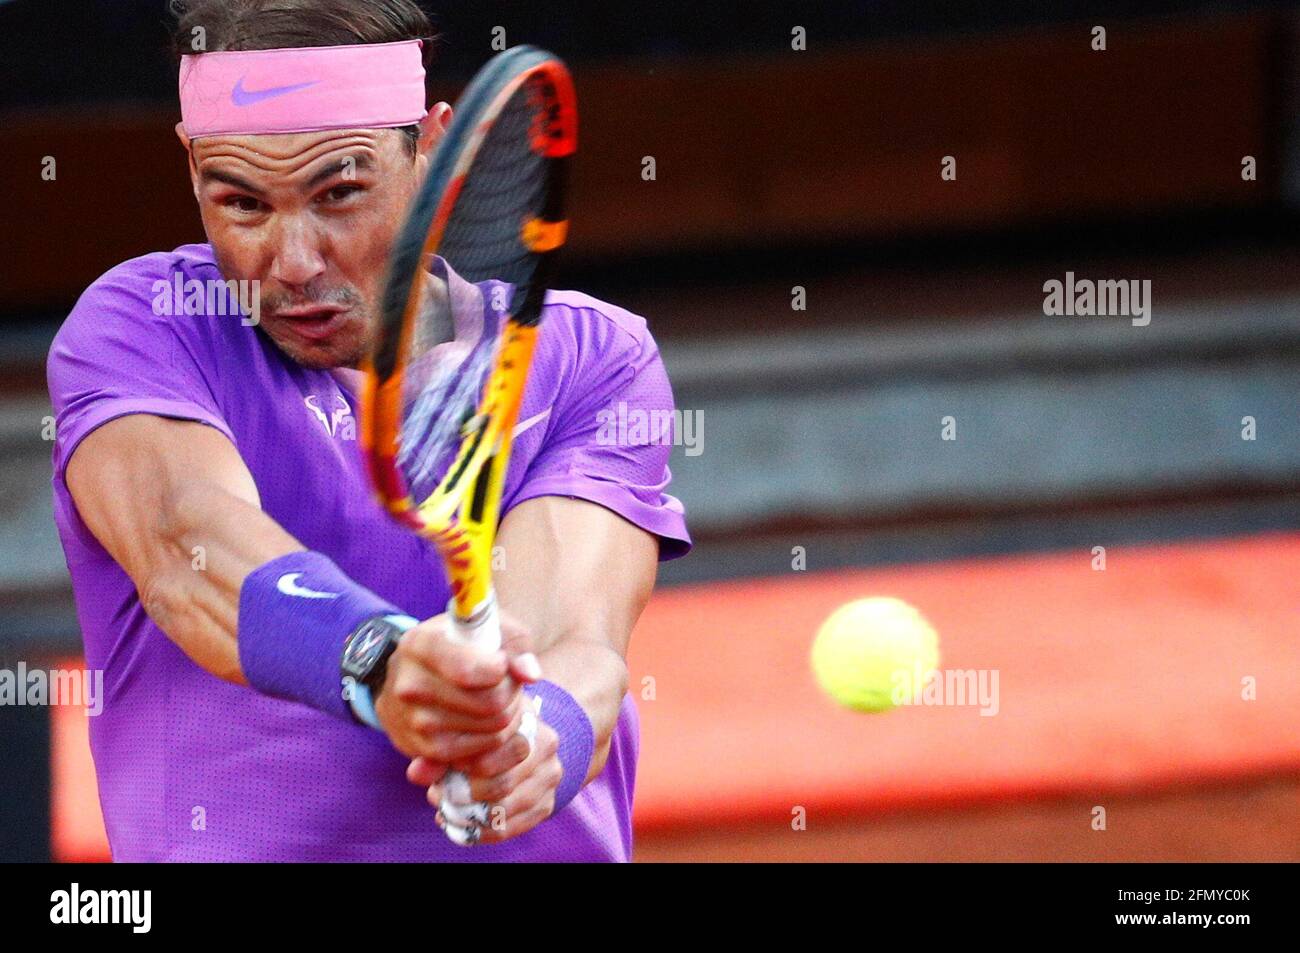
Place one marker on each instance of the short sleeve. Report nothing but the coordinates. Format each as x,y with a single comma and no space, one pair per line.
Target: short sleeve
114,356
612,427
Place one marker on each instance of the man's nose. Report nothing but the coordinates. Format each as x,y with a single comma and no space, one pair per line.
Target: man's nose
297,252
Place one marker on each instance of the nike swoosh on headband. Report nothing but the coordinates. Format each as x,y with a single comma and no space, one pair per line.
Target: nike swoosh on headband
247,97
288,584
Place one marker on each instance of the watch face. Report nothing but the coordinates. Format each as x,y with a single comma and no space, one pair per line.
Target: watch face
365,648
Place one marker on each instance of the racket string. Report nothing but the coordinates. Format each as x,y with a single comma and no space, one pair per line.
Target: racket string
449,360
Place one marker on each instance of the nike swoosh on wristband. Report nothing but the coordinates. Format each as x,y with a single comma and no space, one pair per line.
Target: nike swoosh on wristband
247,97
288,584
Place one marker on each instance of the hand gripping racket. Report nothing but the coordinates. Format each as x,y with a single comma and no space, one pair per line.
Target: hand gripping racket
447,370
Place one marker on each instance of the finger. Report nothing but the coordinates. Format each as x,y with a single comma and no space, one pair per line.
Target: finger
500,761
465,665
513,750
424,732
542,776
457,748
424,772
492,786
527,806
509,761
414,682
497,831
434,719
434,795
521,786
525,668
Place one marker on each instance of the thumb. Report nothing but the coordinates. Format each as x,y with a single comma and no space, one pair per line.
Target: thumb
525,668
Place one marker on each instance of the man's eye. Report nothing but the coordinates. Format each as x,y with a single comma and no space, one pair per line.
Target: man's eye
341,192
243,203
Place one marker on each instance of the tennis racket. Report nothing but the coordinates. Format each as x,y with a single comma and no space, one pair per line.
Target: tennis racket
447,370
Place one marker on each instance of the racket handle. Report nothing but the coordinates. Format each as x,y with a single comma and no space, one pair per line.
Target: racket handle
463,817
482,629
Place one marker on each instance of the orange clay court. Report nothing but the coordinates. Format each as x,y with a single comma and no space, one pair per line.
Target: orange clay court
1120,689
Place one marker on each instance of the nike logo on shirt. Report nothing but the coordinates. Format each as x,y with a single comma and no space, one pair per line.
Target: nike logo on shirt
531,421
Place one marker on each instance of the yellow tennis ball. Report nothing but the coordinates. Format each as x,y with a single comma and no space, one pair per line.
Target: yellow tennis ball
870,653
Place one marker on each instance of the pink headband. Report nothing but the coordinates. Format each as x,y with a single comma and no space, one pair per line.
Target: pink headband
307,89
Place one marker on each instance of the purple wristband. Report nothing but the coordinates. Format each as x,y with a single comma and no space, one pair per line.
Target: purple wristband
295,615
577,739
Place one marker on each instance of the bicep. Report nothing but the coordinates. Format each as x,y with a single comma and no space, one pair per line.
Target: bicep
569,567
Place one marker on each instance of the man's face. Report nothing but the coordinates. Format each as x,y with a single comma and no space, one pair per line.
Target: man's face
311,216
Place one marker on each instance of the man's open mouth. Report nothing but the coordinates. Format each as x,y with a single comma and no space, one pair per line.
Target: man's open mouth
313,323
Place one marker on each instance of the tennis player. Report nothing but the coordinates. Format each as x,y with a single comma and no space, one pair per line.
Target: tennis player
235,579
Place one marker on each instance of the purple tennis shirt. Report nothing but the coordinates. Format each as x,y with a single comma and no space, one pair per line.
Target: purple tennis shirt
192,768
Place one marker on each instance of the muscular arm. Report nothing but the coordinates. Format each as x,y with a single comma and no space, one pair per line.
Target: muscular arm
578,575
153,490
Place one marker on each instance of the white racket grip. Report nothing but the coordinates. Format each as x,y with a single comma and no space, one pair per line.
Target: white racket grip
462,815
482,629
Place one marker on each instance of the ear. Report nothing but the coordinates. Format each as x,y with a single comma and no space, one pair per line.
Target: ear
433,125
189,157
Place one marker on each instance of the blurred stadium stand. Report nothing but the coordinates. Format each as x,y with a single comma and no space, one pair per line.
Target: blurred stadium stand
817,169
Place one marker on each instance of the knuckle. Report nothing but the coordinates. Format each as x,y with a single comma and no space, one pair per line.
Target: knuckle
420,748
488,705
417,644
501,761
405,685
425,722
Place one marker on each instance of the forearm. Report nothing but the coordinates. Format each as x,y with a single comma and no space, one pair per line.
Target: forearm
589,575
211,540
172,502
596,676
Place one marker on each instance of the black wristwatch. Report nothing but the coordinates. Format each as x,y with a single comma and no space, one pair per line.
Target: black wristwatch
365,662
